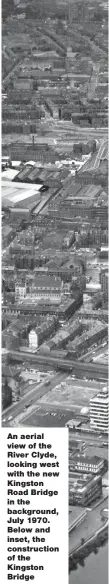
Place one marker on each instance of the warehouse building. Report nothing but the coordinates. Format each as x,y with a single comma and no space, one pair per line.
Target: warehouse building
20,195
18,212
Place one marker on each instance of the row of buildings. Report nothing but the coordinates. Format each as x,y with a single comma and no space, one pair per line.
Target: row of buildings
88,338
65,309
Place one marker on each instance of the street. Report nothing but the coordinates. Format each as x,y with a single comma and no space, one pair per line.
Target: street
33,394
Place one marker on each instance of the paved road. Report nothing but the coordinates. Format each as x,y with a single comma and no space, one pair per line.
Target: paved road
94,352
100,153
66,125
90,438
97,157
94,81
52,41
91,371
34,392
60,130
7,77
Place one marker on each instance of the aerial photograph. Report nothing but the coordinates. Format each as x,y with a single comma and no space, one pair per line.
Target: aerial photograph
54,214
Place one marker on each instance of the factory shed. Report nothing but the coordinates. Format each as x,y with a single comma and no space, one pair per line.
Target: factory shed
20,211
31,174
16,164
17,194
9,174
26,197
24,172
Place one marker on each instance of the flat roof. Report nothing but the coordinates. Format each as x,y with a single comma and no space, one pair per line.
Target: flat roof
79,481
16,163
100,398
93,460
20,210
93,286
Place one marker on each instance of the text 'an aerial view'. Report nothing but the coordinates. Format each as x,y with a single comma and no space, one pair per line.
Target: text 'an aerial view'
55,247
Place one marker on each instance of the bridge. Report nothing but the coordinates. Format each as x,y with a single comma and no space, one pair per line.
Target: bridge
90,370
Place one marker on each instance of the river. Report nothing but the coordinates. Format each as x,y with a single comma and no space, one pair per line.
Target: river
95,569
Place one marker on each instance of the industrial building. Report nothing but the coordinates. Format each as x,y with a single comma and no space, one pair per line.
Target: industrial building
99,411
20,212
84,488
20,195
48,176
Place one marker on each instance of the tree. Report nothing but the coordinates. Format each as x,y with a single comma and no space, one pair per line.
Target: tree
96,550
81,562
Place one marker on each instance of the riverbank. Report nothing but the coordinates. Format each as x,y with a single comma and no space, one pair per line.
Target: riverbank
95,569
86,548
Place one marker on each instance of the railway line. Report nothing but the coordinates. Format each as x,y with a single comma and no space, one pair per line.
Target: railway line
91,370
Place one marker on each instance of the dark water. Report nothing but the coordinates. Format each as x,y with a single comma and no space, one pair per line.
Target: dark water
95,570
